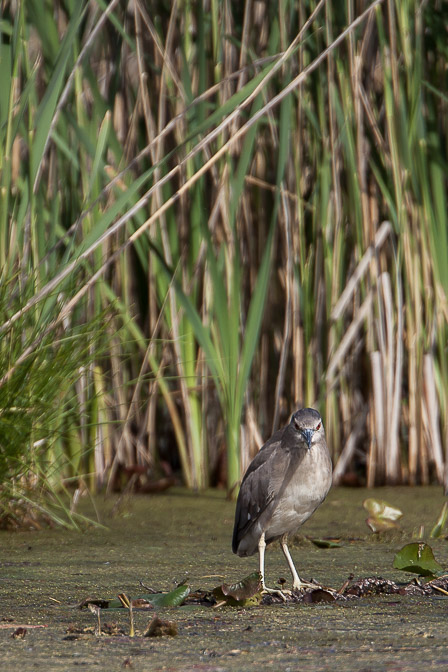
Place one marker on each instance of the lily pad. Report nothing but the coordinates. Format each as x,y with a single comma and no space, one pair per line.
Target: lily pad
326,543
418,558
382,516
173,599
243,593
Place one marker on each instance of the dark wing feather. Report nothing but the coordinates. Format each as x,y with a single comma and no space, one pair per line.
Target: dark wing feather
260,486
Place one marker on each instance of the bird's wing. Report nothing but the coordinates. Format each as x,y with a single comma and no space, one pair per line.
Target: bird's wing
261,484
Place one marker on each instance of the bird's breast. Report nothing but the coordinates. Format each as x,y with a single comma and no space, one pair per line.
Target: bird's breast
304,492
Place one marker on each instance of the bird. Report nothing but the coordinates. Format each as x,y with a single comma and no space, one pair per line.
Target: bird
284,484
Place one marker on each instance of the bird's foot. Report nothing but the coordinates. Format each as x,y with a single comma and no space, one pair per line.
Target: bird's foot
302,586
276,591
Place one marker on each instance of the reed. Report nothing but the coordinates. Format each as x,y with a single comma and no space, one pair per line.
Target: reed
259,192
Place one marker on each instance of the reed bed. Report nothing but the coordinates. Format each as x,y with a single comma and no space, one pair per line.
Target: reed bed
241,208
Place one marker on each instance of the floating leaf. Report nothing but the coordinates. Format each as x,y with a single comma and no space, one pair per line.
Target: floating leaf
326,543
437,530
382,516
242,593
417,558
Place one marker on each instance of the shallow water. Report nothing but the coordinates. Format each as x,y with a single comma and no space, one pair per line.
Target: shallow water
166,539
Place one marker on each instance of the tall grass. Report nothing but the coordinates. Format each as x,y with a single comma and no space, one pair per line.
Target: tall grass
260,193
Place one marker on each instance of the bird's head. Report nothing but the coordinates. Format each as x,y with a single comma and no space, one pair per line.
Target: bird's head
308,425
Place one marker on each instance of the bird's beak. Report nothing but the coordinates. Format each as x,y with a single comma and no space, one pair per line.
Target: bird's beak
307,435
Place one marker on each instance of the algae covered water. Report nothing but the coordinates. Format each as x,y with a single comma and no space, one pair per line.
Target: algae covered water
162,541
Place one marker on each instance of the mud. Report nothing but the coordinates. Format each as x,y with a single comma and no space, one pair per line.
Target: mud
167,539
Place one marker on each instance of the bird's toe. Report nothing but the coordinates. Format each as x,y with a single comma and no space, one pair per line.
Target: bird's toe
303,586
282,594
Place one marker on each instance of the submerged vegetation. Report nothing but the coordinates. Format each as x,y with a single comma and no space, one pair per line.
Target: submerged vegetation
212,213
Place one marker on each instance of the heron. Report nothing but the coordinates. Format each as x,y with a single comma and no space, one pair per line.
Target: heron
284,484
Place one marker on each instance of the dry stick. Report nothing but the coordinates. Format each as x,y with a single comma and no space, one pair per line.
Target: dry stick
137,206
431,406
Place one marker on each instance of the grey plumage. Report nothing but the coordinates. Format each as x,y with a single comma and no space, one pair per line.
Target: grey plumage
283,486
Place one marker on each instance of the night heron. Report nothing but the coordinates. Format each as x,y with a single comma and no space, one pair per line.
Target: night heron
282,487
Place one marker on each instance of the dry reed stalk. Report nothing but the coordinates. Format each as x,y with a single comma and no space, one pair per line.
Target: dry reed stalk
379,406
337,360
382,234
287,324
431,416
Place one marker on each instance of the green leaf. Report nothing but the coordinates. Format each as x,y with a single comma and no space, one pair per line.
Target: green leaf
419,558
326,543
173,599
438,528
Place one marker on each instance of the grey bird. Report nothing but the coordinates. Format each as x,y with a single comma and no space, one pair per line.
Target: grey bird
284,484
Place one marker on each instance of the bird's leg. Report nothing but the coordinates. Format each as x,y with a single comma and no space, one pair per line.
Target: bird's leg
297,584
270,591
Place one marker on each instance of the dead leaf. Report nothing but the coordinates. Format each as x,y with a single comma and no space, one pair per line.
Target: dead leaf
159,628
382,516
318,595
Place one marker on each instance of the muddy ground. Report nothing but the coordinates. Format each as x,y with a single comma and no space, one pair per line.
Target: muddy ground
166,539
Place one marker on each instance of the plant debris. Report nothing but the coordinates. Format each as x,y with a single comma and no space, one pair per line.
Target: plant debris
244,593
159,628
19,633
382,516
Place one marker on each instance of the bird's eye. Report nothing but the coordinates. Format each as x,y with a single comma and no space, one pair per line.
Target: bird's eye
318,426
